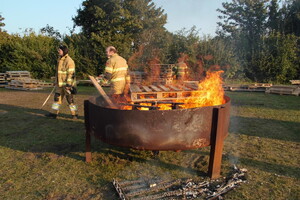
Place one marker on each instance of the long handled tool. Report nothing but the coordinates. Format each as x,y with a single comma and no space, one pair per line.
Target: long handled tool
48,97
102,92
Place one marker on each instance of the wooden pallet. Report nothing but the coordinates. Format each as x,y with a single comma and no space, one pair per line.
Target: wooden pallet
164,77
44,84
284,90
136,77
295,82
2,77
2,85
256,87
28,83
12,75
160,92
21,88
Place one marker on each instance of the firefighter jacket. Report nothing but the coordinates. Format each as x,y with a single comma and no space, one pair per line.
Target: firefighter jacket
182,67
116,72
65,73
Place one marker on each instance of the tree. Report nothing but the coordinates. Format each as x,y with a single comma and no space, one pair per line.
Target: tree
245,22
274,21
49,31
31,52
1,23
291,11
125,24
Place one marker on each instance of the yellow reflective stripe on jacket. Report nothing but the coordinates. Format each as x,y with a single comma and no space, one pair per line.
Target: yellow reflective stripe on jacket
118,79
108,69
111,70
62,72
60,84
71,70
120,69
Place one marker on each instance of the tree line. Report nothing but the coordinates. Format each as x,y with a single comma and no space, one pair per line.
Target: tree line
255,41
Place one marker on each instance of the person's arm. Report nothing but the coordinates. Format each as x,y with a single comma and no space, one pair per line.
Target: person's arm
108,70
70,73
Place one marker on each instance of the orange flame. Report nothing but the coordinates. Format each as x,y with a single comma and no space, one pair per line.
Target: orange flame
165,106
210,92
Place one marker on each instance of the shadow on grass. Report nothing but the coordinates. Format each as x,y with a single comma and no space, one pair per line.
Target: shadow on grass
266,128
140,156
28,130
262,100
280,170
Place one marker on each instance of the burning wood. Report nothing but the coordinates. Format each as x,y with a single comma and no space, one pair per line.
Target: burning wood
190,94
179,189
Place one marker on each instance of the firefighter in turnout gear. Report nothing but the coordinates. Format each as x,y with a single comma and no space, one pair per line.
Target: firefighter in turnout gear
116,71
182,69
65,83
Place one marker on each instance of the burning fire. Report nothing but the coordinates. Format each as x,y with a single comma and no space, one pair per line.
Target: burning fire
210,92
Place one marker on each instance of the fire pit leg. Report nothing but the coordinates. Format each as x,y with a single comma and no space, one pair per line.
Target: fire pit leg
88,153
217,139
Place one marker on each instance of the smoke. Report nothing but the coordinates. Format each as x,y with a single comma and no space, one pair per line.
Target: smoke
233,141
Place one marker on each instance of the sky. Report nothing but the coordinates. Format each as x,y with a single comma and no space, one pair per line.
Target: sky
36,14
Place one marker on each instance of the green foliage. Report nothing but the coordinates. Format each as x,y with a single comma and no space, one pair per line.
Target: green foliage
258,30
83,54
203,54
291,19
34,53
127,25
257,41
1,23
279,61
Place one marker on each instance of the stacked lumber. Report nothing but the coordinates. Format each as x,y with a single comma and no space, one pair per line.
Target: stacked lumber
284,90
21,80
12,75
28,84
137,77
3,81
165,75
256,87
295,82
23,84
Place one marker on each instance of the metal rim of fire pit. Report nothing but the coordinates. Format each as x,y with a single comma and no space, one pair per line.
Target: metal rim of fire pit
179,129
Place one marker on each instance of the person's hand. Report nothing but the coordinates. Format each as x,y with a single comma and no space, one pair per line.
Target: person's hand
68,87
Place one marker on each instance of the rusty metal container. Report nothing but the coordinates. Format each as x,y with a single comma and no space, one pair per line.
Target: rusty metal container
178,129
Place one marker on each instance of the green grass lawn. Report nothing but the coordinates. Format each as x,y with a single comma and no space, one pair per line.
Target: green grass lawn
43,158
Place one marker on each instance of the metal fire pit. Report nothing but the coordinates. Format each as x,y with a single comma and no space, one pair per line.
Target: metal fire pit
178,129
